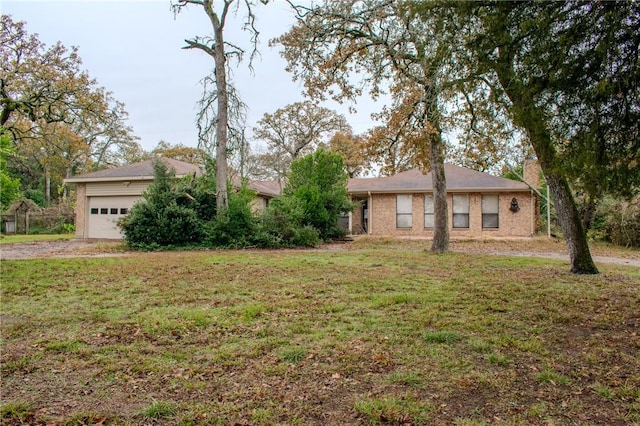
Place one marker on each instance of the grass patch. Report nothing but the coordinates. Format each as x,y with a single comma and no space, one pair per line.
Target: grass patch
550,376
603,390
444,337
391,410
292,355
29,238
376,332
408,378
16,412
160,410
63,346
498,359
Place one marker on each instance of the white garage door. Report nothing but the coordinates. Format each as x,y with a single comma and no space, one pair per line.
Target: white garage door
104,212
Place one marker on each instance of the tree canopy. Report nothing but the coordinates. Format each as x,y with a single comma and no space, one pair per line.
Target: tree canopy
391,49
565,74
60,121
296,130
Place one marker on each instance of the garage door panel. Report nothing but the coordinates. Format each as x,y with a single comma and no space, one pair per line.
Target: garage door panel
104,213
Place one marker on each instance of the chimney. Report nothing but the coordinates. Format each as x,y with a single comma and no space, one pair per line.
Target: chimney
532,173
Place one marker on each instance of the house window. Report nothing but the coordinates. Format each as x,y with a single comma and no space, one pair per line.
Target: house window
490,211
94,210
104,210
460,211
428,211
124,211
403,211
114,210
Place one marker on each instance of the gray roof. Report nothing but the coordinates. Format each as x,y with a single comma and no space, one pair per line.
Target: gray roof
459,179
136,171
269,188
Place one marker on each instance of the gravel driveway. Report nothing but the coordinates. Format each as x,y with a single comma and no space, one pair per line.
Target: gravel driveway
58,248
84,248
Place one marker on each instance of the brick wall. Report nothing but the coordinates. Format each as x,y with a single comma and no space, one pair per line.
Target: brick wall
81,209
531,173
382,217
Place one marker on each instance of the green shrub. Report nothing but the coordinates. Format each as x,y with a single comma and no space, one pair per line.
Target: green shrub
9,185
236,225
151,226
281,225
165,217
318,183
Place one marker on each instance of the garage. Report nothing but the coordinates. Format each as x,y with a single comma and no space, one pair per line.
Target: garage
104,213
105,196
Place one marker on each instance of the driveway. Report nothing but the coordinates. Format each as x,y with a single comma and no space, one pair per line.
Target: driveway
59,248
92,248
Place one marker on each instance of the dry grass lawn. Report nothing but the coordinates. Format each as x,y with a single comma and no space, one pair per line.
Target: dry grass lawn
372,332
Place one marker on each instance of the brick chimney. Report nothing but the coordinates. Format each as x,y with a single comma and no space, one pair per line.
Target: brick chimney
532,173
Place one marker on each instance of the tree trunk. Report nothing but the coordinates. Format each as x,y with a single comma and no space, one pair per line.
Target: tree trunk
529,117
571,224
589,211
440,242
222,200
220,73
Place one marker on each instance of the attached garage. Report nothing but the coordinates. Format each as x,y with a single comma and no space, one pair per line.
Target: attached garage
104,213
105,196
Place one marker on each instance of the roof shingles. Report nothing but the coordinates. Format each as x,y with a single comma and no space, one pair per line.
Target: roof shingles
142,171
458,179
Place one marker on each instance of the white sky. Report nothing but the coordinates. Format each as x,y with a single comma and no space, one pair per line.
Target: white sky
133,48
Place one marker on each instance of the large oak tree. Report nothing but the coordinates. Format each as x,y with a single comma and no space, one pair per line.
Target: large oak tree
37,82
60,121
344,48
566,73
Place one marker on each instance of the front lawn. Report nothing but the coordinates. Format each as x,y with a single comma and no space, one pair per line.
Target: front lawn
367,333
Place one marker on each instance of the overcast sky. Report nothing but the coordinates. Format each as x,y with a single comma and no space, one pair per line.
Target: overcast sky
134,49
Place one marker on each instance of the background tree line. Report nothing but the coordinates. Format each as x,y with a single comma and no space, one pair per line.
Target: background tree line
483,84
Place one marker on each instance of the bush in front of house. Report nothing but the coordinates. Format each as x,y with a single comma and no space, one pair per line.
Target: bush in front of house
182,212
236,225
282,225
166,216
318,183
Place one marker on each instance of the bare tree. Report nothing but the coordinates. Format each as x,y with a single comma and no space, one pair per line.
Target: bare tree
220,50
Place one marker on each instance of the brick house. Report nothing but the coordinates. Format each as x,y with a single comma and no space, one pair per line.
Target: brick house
480,205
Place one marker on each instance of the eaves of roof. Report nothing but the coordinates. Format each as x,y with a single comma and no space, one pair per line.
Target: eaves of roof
459,179
135,172
79,179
